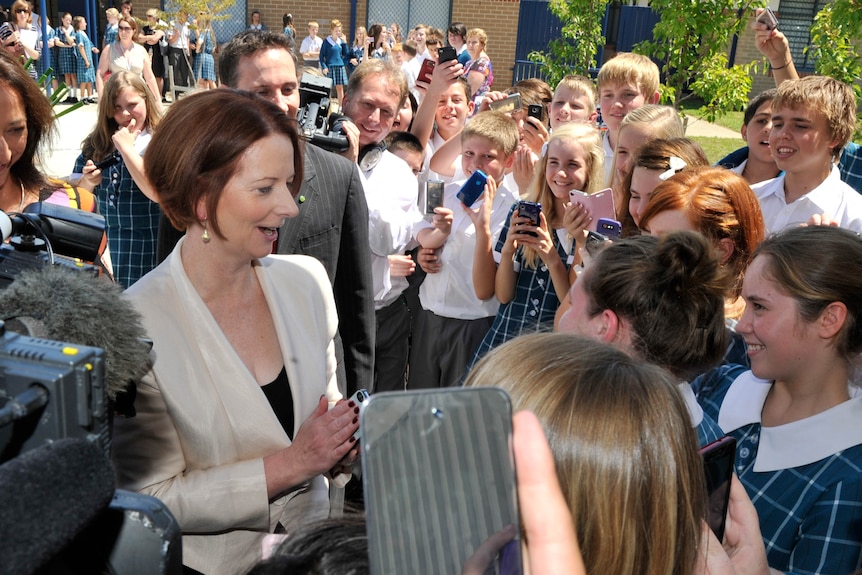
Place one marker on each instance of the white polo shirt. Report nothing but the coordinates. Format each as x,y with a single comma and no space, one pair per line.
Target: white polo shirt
832,197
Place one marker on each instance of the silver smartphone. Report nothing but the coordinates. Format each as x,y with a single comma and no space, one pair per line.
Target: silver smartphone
433,195
439,481
768,19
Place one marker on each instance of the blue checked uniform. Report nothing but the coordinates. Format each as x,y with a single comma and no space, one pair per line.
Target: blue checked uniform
131,219
535,302
804,477
68,61
332,58
204,63
84,73
111,33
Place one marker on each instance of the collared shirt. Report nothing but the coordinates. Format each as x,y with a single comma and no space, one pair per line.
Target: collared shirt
450,292
706,427
609,156
804,477
391,193
310,44
832,197
182,40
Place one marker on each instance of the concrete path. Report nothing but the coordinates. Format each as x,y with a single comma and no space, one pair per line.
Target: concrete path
697,127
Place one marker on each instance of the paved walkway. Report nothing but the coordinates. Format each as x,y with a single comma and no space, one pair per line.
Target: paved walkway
697,127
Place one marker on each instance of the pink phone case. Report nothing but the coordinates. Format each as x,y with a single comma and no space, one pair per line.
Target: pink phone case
600,204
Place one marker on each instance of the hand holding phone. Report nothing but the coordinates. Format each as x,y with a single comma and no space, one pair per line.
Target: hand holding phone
718,458
473,188
433,195
511,103
426,70
446,53
767,18
530,210
600,204
109,161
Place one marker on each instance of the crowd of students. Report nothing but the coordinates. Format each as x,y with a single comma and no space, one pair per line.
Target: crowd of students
753,266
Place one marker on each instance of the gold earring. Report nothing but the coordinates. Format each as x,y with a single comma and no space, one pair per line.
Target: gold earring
205,237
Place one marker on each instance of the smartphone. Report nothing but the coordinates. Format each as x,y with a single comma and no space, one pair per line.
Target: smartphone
359,398
433,195
472,188
510,104
426,70
600,204
768,19
109,161
718,458
609,228
439,480
595,243
536,111
530,210
446,53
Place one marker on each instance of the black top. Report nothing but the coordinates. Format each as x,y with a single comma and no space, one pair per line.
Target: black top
279,397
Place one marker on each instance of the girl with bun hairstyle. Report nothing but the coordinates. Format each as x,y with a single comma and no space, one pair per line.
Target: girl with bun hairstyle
661,301
795,414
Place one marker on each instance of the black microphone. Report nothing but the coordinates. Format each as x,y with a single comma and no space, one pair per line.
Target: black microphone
47,497
62,304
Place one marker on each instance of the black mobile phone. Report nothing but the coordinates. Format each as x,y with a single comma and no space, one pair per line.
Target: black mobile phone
439,481
472,188
718,458
510,104
426,70
433,195
446,53
537,111
768,19
610,228
530,210
109,161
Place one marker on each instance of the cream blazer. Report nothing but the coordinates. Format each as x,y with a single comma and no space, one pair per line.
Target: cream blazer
203,425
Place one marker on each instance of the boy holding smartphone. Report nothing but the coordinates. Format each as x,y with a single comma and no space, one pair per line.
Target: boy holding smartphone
454,319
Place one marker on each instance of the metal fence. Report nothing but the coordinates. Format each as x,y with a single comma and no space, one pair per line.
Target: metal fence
408,13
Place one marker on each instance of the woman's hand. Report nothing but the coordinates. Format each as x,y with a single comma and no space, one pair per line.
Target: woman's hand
322,441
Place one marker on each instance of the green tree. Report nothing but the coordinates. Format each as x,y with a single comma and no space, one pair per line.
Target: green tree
835,52
690,39
574,52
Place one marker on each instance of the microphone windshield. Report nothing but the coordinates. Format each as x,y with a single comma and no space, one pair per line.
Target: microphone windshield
47,496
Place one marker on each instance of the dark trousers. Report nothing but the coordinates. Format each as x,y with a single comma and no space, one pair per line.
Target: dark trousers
180,62
392,346
442,347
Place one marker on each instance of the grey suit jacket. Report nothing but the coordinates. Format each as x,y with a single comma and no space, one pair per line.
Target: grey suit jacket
332,226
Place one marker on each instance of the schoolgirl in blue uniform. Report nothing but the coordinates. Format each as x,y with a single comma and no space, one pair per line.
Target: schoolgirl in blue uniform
796,413
334,53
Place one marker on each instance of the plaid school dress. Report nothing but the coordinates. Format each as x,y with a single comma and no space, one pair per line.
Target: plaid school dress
205,63
84,73
68,63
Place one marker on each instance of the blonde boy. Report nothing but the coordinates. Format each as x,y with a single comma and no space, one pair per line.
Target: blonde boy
574,101
626,82
454,319
812,120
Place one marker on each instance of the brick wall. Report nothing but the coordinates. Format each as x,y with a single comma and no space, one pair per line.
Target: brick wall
747,52
499,19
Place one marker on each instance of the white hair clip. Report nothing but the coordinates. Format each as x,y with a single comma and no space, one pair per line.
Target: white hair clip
676,165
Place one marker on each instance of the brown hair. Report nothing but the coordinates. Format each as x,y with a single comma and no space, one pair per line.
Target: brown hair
39,116
390,72
670,290
720,205
816,266
656,155
186,172
99,143
623,444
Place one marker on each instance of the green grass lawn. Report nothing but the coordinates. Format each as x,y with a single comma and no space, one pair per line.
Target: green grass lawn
731,120
717,148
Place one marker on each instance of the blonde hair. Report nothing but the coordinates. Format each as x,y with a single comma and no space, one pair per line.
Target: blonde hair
497,127
623,444
630,68
480,34
590,139
663,122
580,85
333,24
116,13
833,99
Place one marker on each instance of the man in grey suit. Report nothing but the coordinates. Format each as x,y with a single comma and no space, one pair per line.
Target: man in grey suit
332,224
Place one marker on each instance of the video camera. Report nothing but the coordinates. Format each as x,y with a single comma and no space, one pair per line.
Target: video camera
314,126
43,230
